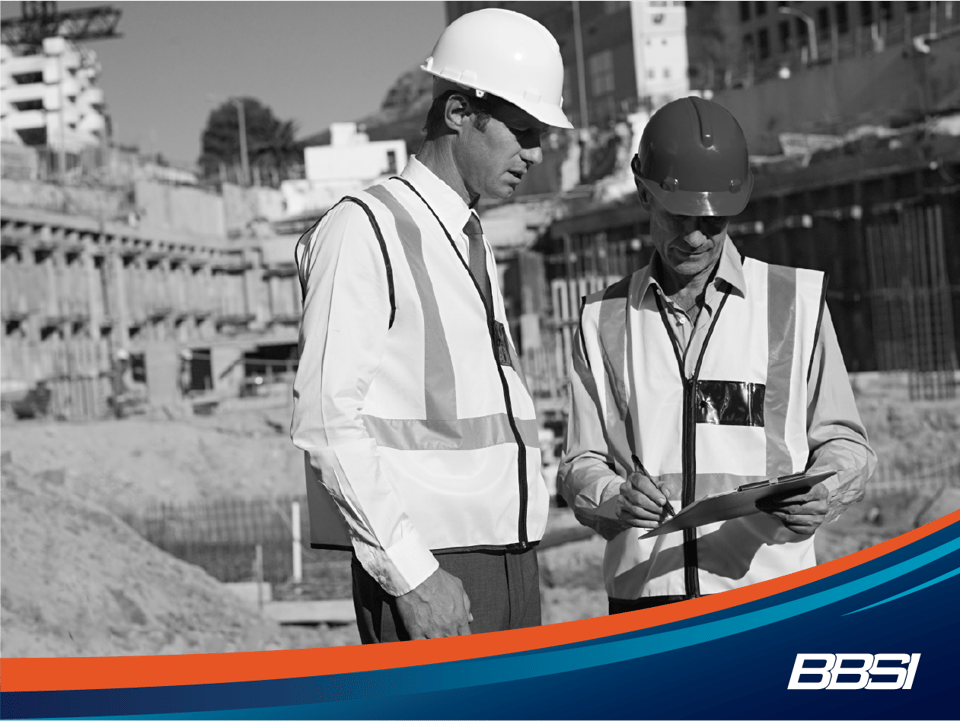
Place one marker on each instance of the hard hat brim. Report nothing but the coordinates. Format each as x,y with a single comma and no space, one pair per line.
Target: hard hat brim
544,112
689,202
547,114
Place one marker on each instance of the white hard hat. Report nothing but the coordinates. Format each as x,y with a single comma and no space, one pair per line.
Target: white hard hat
123,354
507,54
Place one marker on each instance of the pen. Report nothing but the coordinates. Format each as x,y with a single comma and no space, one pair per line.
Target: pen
638,467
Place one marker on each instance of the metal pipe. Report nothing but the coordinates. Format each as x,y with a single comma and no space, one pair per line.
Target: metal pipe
811,29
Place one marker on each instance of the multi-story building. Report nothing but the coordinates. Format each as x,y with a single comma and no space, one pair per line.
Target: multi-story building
51,98
617,56
756,41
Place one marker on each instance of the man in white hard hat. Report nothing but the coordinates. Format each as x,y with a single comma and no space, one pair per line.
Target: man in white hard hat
419,435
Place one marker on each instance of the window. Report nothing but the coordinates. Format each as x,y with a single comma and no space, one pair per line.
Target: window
28,78
744,11
763,43
391,162
666,73
843,20
802,30
601,73
748,47
866,13
761,8
784,28
886,11
26,105
823,19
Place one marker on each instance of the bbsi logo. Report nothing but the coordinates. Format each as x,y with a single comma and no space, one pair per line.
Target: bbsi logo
856,669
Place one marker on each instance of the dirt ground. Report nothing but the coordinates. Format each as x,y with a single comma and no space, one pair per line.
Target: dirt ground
78,581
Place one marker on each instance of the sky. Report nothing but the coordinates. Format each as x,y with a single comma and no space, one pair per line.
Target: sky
311,62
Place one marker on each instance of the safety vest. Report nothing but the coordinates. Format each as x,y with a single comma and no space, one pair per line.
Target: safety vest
740,417
449,409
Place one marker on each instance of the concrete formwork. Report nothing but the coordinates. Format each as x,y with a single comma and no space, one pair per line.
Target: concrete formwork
69,281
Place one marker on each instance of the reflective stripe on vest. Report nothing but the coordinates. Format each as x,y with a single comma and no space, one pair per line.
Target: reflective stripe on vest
760,345
398,423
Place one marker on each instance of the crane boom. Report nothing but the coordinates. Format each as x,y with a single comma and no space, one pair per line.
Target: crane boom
41,20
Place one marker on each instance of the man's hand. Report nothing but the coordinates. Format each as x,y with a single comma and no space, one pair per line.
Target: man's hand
801,512
641,502
437,607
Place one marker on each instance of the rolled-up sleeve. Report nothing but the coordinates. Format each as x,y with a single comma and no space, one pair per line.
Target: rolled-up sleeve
835,434
343,334
585,478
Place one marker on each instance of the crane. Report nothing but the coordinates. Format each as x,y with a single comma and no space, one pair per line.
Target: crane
39,20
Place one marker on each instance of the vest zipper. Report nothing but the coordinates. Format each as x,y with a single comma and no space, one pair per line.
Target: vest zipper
691,563
521,448
691,577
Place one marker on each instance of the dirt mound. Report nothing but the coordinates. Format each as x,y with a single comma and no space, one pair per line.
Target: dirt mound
77,581
130,464
908,436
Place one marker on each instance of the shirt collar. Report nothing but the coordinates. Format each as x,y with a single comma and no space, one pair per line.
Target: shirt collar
729,271
444,200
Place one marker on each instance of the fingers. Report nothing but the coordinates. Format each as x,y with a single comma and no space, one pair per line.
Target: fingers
640,503
801,514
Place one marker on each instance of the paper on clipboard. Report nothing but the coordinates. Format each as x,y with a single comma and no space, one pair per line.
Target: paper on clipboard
734,504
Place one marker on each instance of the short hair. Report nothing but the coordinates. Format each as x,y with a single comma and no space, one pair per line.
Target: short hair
483,109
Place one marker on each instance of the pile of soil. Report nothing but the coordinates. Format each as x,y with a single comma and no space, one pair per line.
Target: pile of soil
77,581
909,437
128,465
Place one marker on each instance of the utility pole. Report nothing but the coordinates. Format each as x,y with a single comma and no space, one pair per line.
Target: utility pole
582,83
244,160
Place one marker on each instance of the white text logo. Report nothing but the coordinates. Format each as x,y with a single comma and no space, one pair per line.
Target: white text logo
850,671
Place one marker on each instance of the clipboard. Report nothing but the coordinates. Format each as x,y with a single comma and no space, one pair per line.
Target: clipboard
734,504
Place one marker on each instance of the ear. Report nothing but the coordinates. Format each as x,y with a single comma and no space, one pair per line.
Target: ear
643,194
456,112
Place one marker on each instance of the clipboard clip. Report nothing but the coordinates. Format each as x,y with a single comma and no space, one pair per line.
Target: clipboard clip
757,484
769,482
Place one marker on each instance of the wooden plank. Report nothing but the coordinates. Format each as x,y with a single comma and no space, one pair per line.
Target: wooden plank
339,611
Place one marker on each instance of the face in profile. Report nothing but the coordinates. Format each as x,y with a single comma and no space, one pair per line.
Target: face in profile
496,152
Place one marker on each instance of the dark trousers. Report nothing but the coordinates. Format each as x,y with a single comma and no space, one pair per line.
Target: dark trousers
619,605
503,588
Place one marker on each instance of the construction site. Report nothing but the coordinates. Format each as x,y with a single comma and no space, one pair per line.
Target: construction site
152,500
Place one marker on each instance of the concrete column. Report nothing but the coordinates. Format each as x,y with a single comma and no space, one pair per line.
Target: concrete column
254,291
162,362
117,297
94,306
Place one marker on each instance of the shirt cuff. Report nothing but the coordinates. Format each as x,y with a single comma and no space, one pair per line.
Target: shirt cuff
400,568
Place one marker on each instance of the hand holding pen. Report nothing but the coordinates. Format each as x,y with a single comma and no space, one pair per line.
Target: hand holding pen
638,467
641,504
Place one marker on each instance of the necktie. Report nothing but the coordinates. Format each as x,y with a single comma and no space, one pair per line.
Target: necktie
478,256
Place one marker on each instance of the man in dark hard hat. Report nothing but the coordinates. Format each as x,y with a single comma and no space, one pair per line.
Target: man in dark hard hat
700,373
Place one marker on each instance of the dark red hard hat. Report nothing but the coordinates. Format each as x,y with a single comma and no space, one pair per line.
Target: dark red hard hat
693,159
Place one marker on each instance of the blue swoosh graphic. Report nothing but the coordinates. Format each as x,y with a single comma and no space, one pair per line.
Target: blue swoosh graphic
922,586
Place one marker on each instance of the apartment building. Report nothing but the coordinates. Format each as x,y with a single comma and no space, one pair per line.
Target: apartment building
51,98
